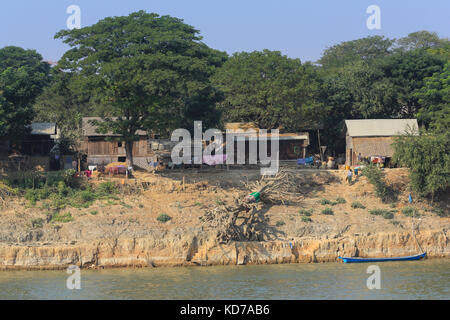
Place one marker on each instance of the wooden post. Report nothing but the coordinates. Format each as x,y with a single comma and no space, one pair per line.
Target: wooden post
320,149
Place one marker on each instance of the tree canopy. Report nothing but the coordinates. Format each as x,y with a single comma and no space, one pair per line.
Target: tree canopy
269,89
23,75
149,72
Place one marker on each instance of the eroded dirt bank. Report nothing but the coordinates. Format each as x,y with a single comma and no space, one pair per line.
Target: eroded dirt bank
148,252
126,233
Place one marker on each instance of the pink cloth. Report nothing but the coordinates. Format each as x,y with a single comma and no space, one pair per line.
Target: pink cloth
215,159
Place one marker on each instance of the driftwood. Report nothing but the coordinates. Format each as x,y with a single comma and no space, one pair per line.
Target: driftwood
244,220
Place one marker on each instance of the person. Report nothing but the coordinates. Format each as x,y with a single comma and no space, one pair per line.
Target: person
349,176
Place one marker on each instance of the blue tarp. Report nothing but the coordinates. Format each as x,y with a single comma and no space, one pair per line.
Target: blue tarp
303,161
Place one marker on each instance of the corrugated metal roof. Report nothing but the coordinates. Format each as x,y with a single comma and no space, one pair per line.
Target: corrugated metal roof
43,128
89,129
380,127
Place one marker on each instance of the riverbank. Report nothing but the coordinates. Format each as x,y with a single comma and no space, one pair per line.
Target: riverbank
127,233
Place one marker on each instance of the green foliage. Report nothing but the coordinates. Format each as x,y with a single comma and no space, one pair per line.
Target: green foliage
406,72
326,201
348,52
37,223
410,212
94,212
327,211
157,82
375,177
387,214
280,223
434,98
357,205
306,219
107,188
62,217
306,213
420,40
428,158
440,212
125,205
23,75
163,218
270,90
340,200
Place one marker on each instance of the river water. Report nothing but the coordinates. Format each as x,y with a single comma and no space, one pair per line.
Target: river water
428,279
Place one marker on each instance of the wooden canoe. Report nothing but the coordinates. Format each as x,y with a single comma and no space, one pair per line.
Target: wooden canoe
407,258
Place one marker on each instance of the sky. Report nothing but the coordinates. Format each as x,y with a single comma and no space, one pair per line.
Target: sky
298,28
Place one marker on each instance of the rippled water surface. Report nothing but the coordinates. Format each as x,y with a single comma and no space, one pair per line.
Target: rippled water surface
428,279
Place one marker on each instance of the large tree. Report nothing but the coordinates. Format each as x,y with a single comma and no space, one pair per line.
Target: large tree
269,89
420,40
406,71
65,104
346,52
434,98
147,72
23,75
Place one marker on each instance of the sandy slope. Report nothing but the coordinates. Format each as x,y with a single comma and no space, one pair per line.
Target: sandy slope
125,232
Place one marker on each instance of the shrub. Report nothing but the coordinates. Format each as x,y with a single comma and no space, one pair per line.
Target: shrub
410,212
427,157
325,201
62,217
440,212
37,223
94,212
340,200
306,219
387,214
357,205
163,218
280,223
375,177
126,205
327,211
306,213
106,188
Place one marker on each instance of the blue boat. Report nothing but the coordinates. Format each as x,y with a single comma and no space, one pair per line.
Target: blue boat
359,260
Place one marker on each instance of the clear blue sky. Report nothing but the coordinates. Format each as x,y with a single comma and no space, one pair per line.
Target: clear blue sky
298,28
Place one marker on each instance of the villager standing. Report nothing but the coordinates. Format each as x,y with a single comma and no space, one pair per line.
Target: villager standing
349,176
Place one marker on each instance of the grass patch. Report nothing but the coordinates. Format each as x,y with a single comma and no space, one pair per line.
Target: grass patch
94,212
326,201
357,205
411,212
441,213
394,222
37,223
327,211
340,200
382,190
306,219
280,223
305,212
387,214
62,217
163,218
125,205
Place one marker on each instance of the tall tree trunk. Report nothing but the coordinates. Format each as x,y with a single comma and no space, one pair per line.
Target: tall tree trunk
129,152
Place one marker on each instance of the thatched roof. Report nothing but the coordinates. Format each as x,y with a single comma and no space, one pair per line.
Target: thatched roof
380,127
375,146
89,129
